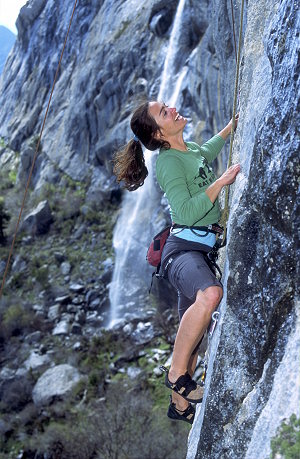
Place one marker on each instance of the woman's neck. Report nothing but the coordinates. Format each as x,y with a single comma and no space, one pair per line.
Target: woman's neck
177,143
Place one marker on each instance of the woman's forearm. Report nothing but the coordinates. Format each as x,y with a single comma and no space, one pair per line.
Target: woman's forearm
225,132
226,179
213,190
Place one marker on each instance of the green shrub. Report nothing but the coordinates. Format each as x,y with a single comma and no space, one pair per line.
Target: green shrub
16,395
122,425
41,275
122,29
4,219
3,144
287,441
13,176
15,320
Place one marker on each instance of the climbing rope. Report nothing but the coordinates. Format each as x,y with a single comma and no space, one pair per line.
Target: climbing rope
225,213
233,30
35,156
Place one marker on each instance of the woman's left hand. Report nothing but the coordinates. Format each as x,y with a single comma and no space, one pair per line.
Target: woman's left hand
230,123
227,129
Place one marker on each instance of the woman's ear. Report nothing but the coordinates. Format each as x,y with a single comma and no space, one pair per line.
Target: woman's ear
158,135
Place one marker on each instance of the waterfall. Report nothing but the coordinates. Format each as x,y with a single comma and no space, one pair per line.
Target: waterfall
132,234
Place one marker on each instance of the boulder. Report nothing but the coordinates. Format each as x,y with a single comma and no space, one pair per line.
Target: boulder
19,264
65,268
39,220
133,372
36,360
62,328
54,312
55,383
143,333
76,329
76,287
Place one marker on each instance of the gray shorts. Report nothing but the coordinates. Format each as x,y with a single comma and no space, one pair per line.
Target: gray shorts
188,273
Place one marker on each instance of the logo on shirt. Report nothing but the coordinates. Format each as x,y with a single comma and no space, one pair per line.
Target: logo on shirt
204,176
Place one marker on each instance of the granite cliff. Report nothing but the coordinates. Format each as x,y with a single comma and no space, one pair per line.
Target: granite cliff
249,392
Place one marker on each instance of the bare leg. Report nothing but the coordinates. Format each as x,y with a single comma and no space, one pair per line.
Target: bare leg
192,363
180,402
192,327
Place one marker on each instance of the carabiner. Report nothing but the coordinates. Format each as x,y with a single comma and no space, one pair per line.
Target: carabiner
214,318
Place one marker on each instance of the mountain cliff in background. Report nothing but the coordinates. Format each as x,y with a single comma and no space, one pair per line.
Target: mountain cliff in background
114,58
7,39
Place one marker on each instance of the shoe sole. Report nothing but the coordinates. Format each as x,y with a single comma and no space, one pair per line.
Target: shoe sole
175,416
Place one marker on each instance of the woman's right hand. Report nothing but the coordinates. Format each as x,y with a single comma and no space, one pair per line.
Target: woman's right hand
229,175
227,178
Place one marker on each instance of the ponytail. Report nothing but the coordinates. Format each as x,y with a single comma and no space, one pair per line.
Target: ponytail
129,163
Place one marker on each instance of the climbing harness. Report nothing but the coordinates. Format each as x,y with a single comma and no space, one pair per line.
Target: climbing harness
155,249
35,155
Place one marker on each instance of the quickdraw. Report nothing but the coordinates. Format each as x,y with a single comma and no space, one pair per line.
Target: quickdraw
204,362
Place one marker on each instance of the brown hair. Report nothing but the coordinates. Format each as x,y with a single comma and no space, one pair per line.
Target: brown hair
129,162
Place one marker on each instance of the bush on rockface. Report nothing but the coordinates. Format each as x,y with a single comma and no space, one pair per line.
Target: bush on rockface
7,179
4,219
16,395
105,408
287,441
121,425
16,319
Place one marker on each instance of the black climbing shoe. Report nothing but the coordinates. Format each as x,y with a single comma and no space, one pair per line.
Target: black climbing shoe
187,415
185,386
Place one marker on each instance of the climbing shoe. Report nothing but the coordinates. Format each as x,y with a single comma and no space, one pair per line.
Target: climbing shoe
187,415
185,386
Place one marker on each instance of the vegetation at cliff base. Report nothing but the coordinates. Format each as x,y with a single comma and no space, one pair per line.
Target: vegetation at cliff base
287,441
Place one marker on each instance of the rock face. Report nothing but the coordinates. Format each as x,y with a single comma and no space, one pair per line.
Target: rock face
96,88
258,339
113,58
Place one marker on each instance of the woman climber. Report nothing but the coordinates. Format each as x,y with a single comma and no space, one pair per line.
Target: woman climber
192,190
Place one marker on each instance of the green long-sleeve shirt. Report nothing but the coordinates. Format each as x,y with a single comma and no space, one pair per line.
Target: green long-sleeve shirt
184,177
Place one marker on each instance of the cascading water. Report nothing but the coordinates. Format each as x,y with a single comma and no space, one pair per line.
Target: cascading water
132,233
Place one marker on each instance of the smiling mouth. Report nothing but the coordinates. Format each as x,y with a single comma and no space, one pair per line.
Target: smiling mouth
178,117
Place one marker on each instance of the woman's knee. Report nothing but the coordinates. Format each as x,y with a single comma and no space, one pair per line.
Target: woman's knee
211,296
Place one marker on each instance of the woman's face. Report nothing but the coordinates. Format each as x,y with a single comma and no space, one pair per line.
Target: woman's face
168,119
